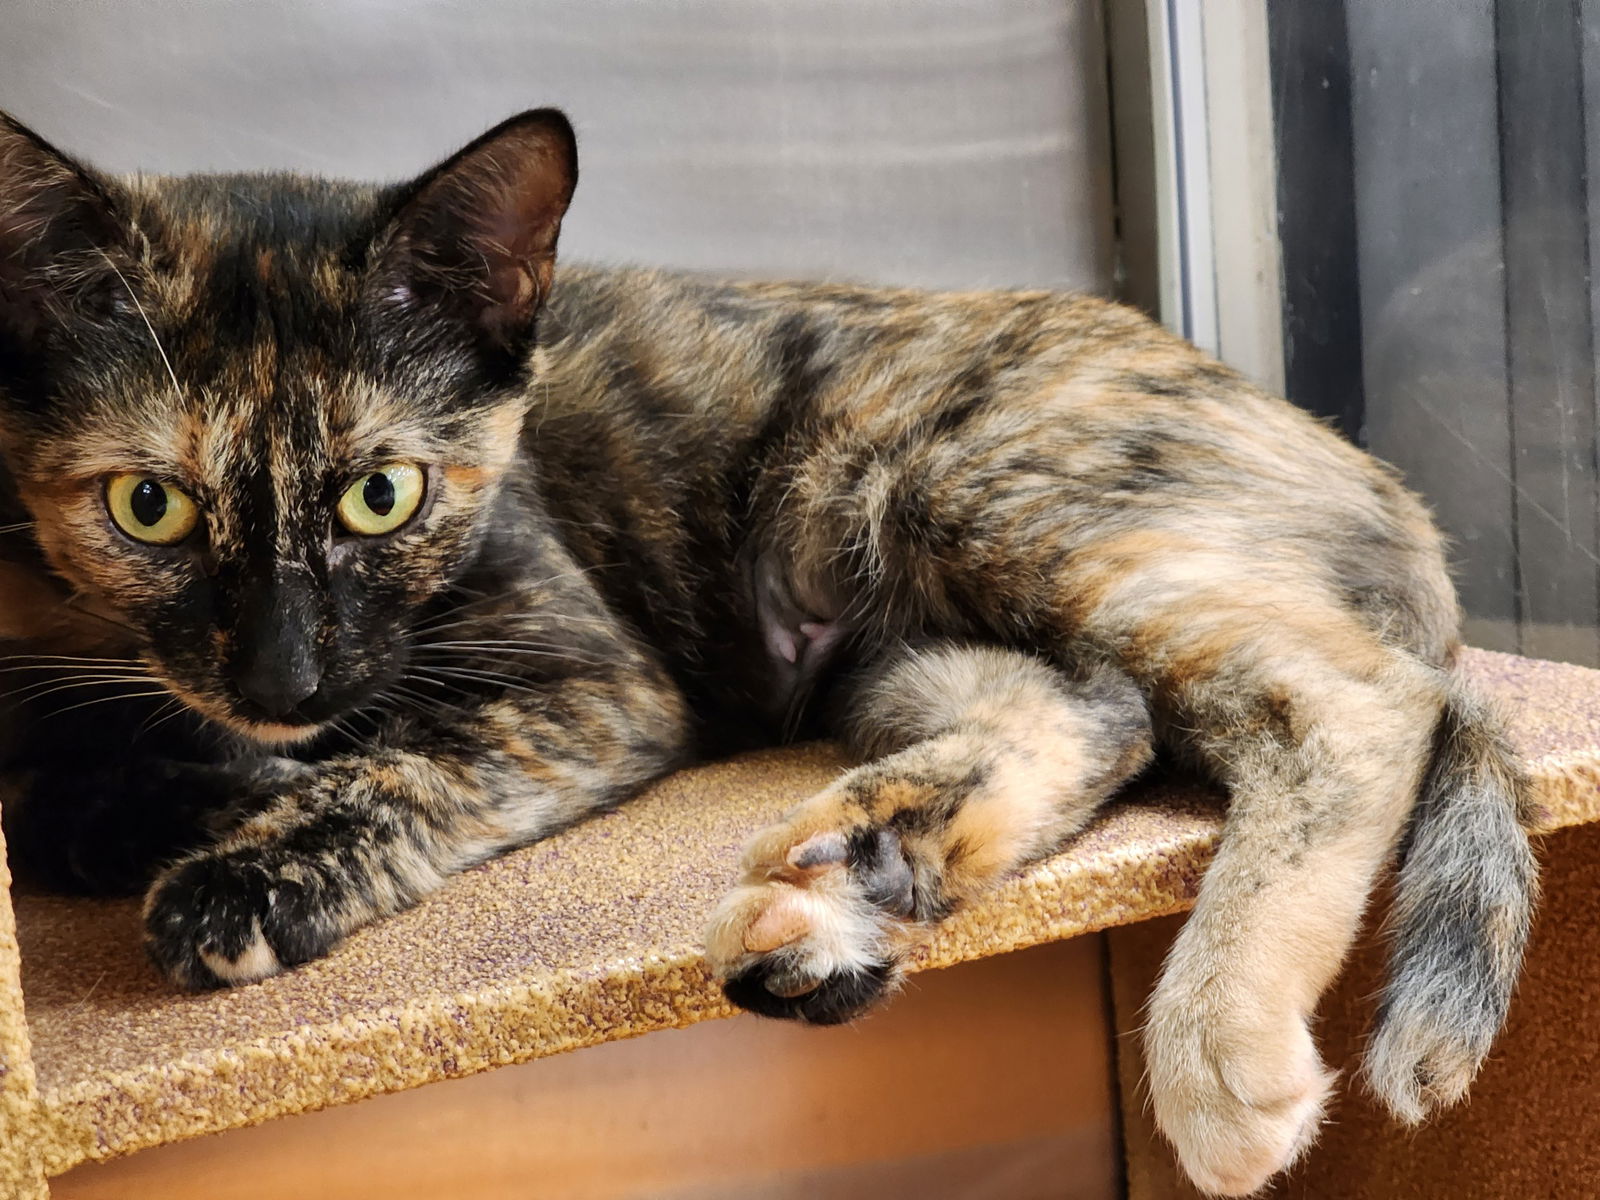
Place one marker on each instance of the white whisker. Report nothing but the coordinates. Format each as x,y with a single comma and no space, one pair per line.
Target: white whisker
38,691
160,349
106,700
161,716
67,663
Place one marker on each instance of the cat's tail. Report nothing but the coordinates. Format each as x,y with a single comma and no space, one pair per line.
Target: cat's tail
1464,900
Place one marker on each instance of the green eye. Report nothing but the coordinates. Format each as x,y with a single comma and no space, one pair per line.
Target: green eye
382,501
150,510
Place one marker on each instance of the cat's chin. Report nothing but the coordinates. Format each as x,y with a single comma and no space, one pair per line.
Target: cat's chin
268,734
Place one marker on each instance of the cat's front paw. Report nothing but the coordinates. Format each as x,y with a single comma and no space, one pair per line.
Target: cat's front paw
226,918
1239,1098
817,928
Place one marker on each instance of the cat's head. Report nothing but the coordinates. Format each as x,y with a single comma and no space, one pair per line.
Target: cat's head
260,420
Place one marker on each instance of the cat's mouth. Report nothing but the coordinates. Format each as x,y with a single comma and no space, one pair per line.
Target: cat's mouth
265,733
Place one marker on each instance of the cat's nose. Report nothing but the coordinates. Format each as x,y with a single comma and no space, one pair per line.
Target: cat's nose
276,668
277,686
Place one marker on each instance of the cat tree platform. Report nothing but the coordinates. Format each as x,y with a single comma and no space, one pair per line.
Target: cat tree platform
589,937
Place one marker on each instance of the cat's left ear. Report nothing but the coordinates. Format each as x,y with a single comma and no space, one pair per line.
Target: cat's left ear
473,241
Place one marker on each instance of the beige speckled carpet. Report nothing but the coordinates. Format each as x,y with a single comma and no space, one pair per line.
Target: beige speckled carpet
588,937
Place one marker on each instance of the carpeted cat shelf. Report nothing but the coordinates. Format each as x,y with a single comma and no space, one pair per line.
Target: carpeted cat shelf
593,936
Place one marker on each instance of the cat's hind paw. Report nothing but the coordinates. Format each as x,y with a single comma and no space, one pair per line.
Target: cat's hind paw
816,930
1239,1100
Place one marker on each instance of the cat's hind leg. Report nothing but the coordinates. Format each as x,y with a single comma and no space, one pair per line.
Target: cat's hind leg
980,760
1323,757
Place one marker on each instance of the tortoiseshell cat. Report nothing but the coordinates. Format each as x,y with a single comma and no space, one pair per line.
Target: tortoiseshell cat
322,582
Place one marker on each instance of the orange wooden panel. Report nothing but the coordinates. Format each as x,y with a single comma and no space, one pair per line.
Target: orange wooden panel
989,1079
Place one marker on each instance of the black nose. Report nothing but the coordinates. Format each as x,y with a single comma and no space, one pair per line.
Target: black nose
276,668
278,685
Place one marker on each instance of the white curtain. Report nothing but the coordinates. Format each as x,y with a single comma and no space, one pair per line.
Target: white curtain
940,142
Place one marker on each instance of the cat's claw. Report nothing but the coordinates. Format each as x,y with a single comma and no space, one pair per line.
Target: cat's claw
816,929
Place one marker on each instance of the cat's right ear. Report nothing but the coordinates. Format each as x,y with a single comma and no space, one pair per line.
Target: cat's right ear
61,231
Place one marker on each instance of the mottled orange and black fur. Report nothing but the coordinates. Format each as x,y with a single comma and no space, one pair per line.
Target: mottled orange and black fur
1006,545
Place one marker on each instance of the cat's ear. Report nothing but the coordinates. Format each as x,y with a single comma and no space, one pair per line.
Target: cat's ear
61,231
473,241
